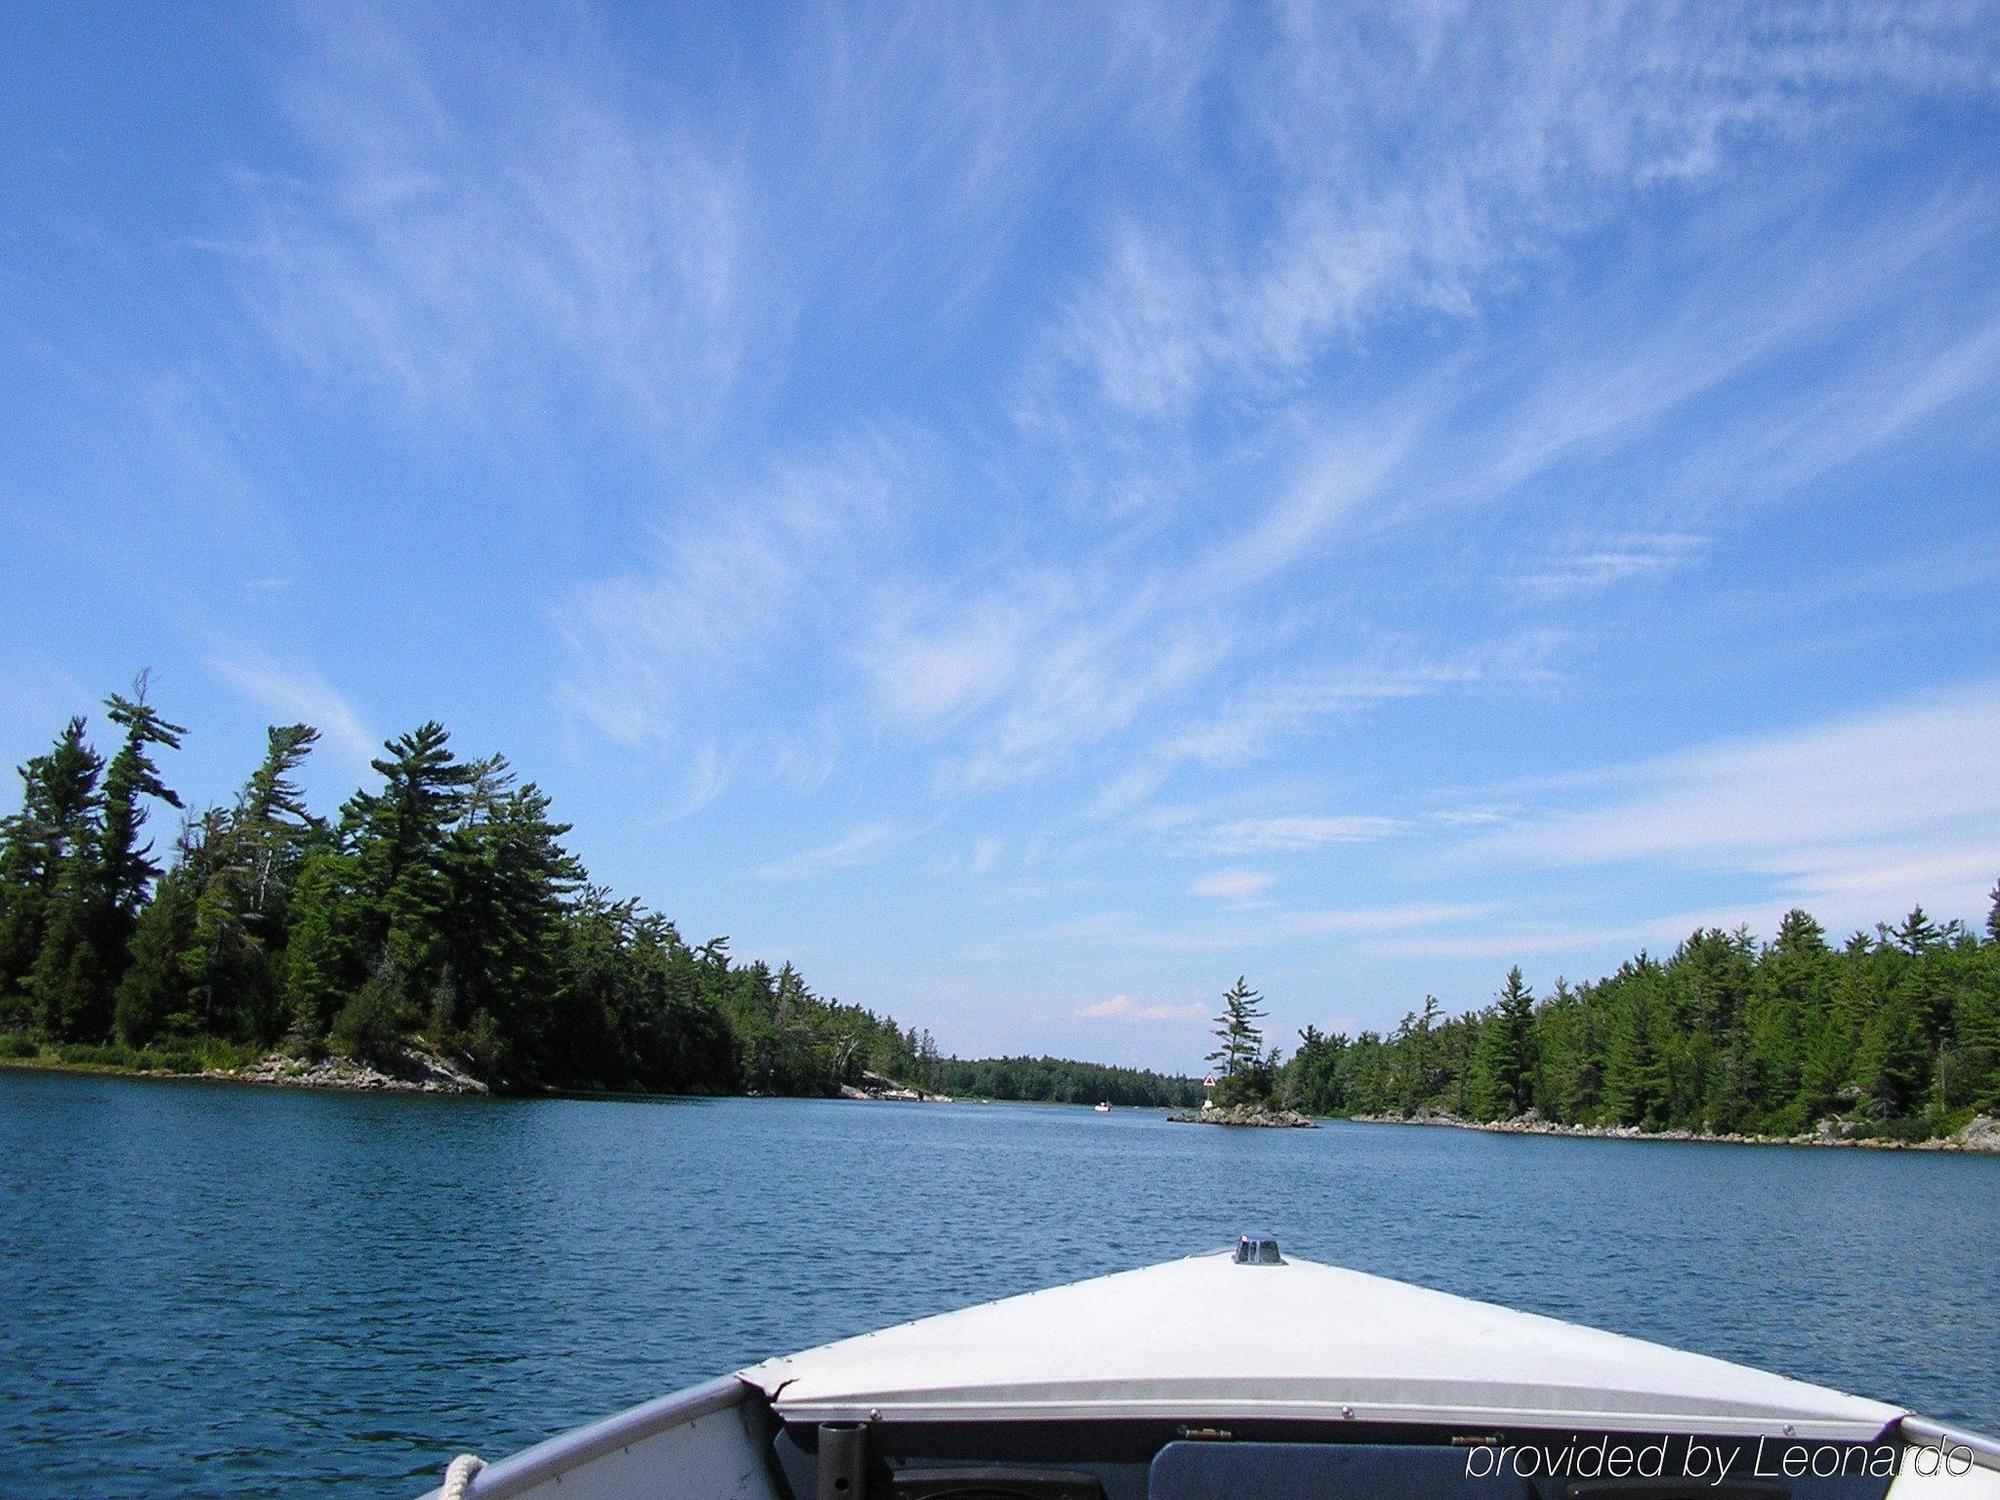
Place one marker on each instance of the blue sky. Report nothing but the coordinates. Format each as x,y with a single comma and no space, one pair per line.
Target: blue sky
1033,511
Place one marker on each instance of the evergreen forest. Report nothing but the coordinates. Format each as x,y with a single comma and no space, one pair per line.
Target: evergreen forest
1056,1080
1893,1033
441,910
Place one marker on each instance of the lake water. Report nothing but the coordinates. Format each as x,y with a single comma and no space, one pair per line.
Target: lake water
221,1289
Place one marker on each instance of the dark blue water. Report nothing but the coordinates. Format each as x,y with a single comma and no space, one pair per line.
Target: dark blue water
209,1288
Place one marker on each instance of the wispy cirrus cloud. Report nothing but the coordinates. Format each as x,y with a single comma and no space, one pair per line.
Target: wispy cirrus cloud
300,694
1392,918
1302,831
1239,888
1501,139
427,250
1585,566
860,846
1018,681
1899,803
1259,718
718,587
1125,1008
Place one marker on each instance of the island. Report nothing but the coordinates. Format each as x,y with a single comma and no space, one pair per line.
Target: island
1244,1088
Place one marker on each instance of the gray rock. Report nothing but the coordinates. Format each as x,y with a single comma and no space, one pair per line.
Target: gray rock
1243,1114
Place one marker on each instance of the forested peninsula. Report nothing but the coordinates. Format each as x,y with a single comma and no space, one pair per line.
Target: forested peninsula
1892,1036
438,917
434,929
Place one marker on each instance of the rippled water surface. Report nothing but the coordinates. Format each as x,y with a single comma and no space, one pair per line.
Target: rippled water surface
217,1289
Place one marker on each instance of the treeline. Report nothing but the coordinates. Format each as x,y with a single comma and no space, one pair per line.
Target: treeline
1057,1080
441,908
1896,1031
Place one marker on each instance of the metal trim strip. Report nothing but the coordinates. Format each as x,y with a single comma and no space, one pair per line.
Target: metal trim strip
532,1466
1985,1451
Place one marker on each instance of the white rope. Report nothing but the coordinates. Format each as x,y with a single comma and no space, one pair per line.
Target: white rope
458,1476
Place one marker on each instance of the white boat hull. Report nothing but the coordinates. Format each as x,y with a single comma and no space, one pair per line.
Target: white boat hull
1098,1390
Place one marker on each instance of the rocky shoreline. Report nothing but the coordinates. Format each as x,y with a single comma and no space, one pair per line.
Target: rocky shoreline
875,1086
418,1072
1981,1135
1243,1114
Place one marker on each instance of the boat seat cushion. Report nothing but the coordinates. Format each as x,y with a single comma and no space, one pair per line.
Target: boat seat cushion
1320,1471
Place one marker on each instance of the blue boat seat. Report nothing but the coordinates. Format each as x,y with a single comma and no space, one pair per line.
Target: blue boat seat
1320,1471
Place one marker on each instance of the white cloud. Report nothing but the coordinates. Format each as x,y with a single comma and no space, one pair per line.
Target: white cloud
721,585
1236,887
1125,1008
1344,471
1893,804
431,249
941,140
1418,158
37,695
1144,333
930,668
1886,392
1584,941
1113,929
1467,817
862,845
1024,678
1388,918
1258,718
1303,832
1584,566
805,762
299,694
704,776
1501,944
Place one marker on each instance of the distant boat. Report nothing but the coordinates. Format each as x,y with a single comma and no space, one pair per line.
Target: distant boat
1104,1107
1327,1383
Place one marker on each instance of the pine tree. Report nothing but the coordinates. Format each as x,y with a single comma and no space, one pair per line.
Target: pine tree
55,827
1791,993
1635,1076
1979,1033
1242,1040
319,953
397,838
86,947
1504,1061
155,996
1315,1080
1418,1045
1918,935
1247,1076
270,829
252,856
128,867
1570,1045
507,883
1895,1061
69,981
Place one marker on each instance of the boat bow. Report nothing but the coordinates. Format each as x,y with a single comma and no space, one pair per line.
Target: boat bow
1210,1338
